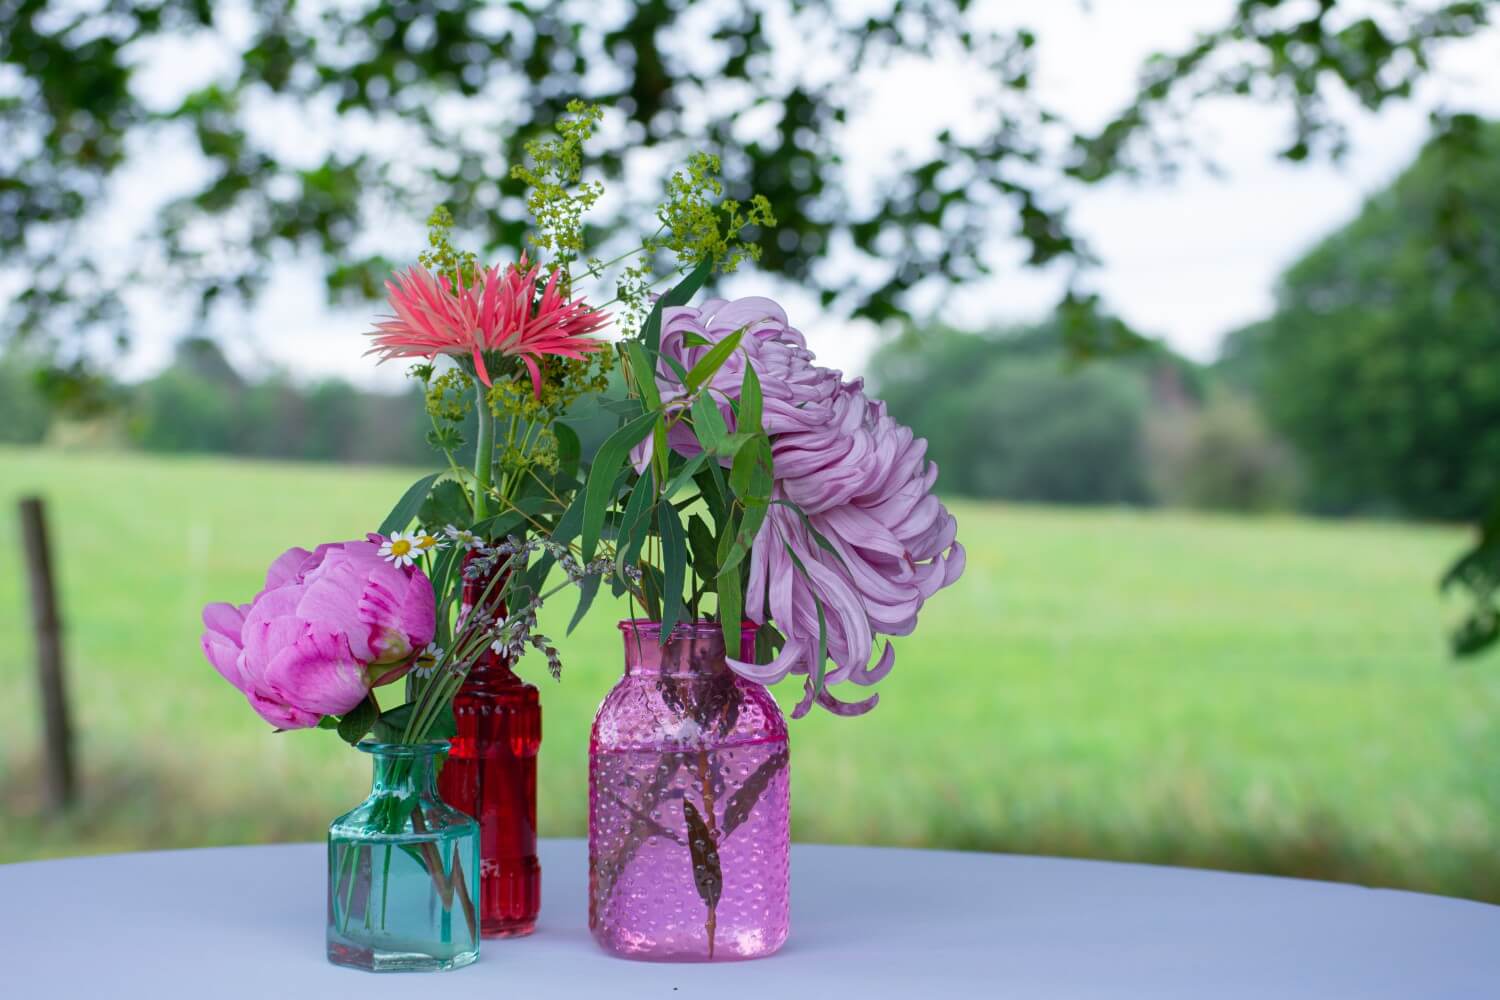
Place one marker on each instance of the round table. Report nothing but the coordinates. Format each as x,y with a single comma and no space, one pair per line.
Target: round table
866,922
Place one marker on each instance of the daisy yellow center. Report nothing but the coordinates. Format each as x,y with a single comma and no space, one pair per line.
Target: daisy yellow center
400,547
426,542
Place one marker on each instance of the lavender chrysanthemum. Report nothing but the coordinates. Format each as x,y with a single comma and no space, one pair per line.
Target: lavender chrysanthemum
861,478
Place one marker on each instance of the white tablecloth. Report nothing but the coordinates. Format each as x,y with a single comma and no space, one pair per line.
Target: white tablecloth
225,923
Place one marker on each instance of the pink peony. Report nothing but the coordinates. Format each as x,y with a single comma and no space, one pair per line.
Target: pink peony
330,625
861,478
500,313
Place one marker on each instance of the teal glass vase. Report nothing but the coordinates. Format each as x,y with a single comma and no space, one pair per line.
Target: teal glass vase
403,870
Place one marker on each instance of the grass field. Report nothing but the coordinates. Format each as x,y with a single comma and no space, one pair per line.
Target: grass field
1265,695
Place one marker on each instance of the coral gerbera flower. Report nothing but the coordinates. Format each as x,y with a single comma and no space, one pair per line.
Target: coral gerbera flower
500,313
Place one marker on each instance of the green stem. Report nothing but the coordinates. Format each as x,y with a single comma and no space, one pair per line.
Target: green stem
484,452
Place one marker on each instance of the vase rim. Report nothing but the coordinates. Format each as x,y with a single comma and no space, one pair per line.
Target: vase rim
694,626
427,748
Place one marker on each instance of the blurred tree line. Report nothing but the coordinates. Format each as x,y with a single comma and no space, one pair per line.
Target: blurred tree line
397,106
1012,415
1373,388
199,403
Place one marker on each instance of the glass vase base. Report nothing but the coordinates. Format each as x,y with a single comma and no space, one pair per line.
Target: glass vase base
692,954
380,960
507,928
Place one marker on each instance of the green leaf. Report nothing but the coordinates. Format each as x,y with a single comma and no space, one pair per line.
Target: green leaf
406,508
601,485
708,875
679,295
357,721
328,722
444,725
674,567
708,423
587,590
822,624
822,648
643,374
521,513
817,536
714,491
536,577
568,525
731,597
391,726
710,363
635,523
447,503
751,404
688,470
744,538
750,477
701,540
569,449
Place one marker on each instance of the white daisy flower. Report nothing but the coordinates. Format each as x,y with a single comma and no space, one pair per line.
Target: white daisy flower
426,541
427,661
400,549
463,538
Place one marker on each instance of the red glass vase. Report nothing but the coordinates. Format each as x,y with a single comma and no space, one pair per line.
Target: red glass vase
491,775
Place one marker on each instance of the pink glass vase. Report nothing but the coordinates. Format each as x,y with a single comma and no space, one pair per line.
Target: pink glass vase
689,804
491,775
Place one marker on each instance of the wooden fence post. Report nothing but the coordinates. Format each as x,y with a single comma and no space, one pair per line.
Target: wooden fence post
57,740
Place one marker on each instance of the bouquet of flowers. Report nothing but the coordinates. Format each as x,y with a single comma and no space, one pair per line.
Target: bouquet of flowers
739,471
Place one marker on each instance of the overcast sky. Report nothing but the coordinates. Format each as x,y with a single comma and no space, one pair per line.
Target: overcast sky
1189,261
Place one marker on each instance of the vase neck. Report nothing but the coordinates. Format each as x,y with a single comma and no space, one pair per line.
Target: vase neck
405,768
491,672
694,649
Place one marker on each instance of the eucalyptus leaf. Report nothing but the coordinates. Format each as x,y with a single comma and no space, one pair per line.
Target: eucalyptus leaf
406,508
731,596
588,589
568,525
701,541
817,536
708,366
391,725
750,477
707,874
569,449
752,404
679,295
357,721
644,375
636,522
742,802
444,725
708,423
600,489
446,503
714,492
674,567
688,470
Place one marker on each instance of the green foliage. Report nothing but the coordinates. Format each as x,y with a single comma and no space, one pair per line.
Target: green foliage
557,198
24,414
460,267
1382,361
1218,457
406,508
1477,571
1007,416
75,110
